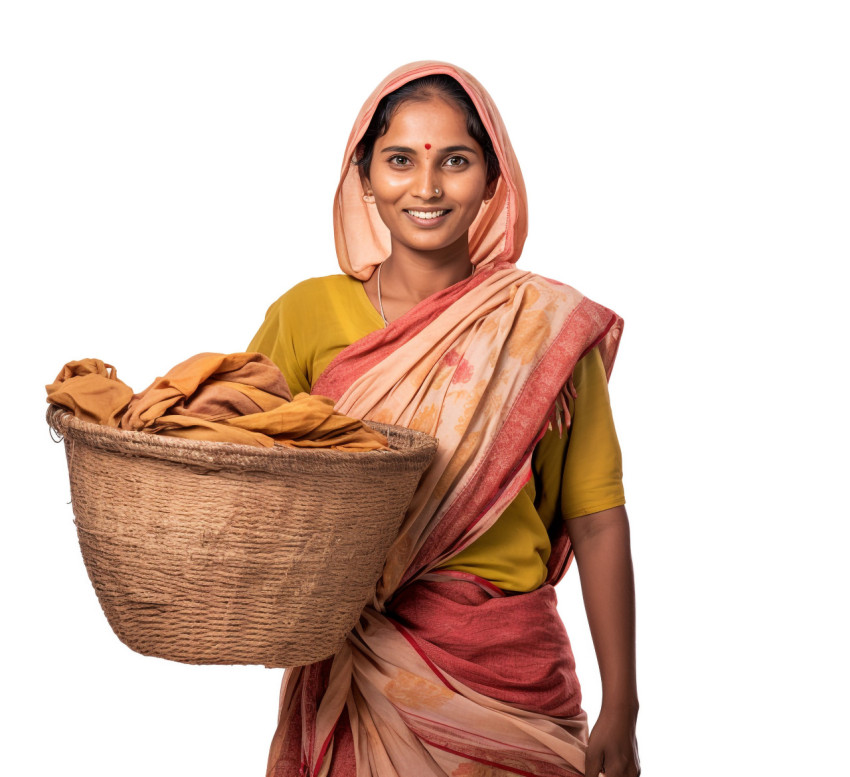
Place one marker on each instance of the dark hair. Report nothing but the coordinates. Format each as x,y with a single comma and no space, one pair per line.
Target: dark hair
420,90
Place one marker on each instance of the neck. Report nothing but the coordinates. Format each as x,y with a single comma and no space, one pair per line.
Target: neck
411,276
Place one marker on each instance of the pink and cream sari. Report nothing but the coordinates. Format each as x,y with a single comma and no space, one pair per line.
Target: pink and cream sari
446,674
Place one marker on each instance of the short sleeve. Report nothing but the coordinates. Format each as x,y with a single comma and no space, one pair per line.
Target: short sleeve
593,469
276,339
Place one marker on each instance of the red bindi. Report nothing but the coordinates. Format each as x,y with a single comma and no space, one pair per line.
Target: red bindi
427,146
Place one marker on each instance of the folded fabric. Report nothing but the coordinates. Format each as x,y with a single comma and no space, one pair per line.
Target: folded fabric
90,389
238,397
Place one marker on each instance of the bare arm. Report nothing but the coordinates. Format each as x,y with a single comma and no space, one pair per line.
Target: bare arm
603,554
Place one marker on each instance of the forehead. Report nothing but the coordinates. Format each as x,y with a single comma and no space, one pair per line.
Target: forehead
434,121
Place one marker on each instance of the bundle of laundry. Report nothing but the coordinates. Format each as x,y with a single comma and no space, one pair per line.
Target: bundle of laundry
238,397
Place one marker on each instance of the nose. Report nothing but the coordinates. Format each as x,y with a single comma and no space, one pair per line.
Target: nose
427,184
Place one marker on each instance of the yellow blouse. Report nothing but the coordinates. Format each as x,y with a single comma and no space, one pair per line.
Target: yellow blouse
316,319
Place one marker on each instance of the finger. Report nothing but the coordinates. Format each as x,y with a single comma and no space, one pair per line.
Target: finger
617,767
593,764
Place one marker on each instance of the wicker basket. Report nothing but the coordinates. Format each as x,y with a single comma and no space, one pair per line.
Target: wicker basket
216,553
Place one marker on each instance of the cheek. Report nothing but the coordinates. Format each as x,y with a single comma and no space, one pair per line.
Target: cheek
388,188
473,192
473,185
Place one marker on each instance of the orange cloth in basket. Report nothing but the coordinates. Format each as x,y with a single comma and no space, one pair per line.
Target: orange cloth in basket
239,397
90,389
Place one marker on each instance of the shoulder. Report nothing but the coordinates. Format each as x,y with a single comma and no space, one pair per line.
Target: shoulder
552,290
316,288
553,287
570,304
550,287
596,315
594,323
311,297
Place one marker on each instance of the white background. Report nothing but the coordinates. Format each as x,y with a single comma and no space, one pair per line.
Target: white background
168,170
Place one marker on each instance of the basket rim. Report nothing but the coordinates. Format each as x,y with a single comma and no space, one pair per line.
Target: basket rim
138,443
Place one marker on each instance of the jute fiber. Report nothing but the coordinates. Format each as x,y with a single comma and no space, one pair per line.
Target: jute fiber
217,553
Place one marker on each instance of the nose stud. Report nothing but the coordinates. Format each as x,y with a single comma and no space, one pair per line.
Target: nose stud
437,191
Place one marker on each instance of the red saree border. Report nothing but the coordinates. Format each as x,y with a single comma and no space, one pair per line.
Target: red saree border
561,554
325,745
371,350
534,401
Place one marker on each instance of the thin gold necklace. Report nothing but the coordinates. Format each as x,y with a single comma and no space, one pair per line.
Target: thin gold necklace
380,302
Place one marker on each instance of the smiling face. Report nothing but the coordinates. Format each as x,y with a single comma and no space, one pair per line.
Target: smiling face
428,177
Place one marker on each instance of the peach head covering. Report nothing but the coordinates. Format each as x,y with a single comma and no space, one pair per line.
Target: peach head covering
498,232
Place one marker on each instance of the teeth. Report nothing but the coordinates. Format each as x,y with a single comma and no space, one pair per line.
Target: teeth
431,214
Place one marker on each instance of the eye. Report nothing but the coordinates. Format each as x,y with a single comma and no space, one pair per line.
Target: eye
456,161
399,160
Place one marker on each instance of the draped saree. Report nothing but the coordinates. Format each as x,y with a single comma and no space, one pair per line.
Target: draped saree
445,674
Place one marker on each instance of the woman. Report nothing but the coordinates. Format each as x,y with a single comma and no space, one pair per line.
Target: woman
461,665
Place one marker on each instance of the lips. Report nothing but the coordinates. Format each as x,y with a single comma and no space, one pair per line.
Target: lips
426,214
427,217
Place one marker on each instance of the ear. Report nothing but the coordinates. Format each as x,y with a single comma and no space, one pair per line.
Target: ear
367,188
490,190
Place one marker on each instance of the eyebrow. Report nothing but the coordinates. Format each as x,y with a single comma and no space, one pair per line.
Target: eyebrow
447,150
451,149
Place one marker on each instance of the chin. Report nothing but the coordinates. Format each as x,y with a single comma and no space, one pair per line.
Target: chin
427,246
427,242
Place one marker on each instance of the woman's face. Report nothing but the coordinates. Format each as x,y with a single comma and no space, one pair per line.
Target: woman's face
428,176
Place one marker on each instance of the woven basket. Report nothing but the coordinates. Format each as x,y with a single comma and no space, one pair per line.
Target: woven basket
217,553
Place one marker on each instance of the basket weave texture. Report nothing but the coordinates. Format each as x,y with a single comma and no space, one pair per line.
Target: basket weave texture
217,553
